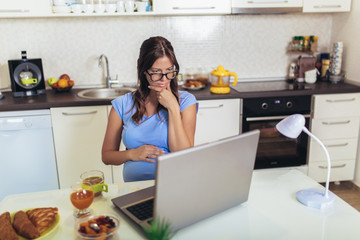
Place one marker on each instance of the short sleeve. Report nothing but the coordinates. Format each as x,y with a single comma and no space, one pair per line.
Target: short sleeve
122,104
186,100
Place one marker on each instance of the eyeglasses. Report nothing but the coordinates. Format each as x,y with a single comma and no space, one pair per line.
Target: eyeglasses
158,76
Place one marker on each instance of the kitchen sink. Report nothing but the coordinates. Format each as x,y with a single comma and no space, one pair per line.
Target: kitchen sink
104,93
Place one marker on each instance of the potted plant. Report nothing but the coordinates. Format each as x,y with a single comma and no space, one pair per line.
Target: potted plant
159,230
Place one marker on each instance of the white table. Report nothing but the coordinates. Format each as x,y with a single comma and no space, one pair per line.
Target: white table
272,212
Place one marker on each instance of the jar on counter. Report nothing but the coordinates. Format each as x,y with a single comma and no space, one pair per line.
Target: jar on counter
306,44
301,44
325,64
314,43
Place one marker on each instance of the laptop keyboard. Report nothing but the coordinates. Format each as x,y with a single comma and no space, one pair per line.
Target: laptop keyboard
143,210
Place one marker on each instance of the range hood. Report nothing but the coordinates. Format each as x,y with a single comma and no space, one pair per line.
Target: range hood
266,6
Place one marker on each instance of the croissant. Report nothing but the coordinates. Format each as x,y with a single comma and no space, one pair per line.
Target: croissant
24,226
42,218
7,231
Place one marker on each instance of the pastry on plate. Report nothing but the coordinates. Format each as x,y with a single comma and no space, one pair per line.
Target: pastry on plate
6,229
42,218
24,227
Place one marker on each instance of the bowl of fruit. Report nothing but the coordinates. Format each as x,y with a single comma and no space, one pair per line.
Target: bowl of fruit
98,226
63,84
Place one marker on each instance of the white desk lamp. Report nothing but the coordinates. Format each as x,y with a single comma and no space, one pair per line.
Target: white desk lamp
291,127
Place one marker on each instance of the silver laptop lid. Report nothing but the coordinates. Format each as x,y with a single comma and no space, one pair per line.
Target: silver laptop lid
199,182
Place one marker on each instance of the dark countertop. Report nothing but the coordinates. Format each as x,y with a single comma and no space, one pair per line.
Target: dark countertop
246,90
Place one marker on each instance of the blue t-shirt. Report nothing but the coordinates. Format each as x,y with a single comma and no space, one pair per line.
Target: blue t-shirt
151,130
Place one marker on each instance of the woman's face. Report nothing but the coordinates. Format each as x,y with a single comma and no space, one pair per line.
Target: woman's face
161,65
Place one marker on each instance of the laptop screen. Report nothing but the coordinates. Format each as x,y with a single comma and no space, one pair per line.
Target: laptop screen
199,182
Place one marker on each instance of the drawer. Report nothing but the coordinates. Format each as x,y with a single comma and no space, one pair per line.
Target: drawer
326,5
335,128
336,105
338,149
340,170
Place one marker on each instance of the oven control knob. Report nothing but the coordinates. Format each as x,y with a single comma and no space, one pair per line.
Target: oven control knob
289,104
264,106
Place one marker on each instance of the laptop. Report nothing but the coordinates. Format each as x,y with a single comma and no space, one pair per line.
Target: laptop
195,183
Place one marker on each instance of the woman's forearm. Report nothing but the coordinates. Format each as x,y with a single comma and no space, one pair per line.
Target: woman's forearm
110,157
178,138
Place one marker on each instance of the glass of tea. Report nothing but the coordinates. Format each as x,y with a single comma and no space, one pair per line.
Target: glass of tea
94,179
81,199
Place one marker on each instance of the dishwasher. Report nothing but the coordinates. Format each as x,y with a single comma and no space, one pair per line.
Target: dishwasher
27,153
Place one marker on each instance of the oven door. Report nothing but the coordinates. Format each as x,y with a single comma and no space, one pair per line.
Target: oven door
274,149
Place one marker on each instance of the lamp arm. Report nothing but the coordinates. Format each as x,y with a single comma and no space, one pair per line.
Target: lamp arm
327,157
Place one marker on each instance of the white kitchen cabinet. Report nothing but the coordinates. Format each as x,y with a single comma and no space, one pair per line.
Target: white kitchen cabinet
265,6
192,7
78,137
217,119
312,6
336,120
24,8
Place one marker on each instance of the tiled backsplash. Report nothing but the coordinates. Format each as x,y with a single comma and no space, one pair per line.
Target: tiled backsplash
253,46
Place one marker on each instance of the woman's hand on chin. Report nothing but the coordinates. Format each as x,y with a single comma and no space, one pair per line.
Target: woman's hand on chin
146,153
165,97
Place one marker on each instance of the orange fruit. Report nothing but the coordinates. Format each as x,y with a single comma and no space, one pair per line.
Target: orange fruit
63,83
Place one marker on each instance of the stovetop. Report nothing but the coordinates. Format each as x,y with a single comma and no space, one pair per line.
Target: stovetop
266,86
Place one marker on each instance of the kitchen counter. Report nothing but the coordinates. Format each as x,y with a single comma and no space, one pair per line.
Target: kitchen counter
243,90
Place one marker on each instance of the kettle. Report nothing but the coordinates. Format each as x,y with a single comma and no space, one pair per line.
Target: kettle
220,80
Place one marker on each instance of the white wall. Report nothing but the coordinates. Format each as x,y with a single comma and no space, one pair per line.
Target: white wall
254,46
346,28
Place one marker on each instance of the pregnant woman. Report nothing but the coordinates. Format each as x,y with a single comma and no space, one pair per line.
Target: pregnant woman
155,119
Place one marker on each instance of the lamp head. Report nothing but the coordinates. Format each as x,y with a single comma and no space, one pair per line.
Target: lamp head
291,126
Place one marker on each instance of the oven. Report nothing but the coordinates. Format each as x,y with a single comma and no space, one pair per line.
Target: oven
274,149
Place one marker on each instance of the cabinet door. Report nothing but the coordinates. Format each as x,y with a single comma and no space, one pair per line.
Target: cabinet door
340,170
339,149
326,5
336,105
78,136
192,7
335,128
23,8
217,119
266,3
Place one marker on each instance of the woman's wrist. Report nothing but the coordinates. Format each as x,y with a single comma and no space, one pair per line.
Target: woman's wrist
174,109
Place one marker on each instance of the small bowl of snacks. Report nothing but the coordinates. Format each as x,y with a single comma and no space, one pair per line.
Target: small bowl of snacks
98,226
193,85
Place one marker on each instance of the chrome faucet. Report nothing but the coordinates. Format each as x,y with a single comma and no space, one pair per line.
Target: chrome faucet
108,79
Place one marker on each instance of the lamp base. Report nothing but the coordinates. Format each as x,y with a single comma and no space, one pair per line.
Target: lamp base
315,198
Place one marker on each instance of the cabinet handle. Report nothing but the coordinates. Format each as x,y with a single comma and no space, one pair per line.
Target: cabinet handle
337,145
336,166
79,113
340,100
192,8
327,6
14,10
209,107
334,123
267,2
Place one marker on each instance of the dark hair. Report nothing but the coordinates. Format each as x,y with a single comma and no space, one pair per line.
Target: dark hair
150,50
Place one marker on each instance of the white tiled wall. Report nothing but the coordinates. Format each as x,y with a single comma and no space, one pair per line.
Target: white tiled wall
253,46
